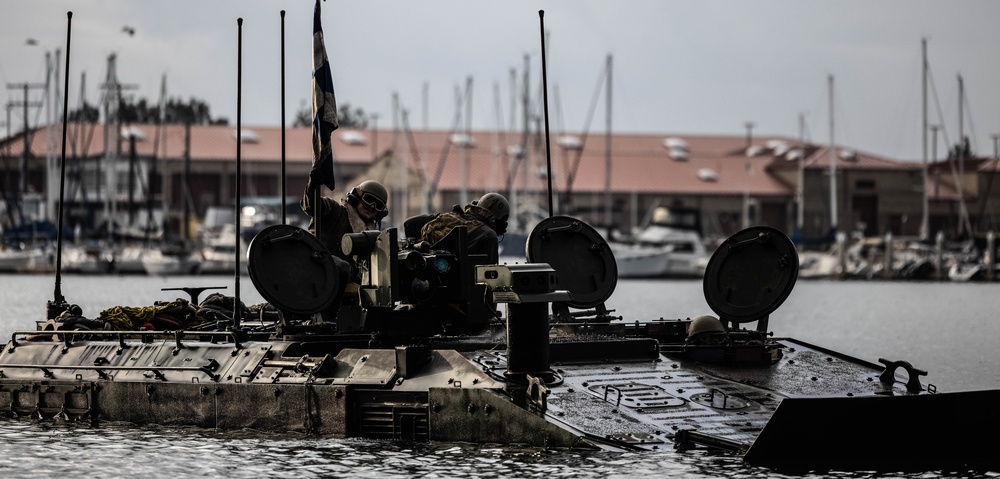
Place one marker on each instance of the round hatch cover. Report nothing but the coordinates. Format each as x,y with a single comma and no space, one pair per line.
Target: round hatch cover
751,274
292,269
580,257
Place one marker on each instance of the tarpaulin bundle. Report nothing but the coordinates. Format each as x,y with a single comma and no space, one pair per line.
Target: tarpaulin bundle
217,307
177,314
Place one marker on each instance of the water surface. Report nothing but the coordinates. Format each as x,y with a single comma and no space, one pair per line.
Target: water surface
945,328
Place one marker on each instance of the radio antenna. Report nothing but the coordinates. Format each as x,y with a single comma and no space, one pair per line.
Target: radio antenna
58,304
545,103
239,147
282,184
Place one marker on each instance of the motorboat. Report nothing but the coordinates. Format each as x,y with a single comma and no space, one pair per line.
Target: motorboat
163,262
27,259
670,246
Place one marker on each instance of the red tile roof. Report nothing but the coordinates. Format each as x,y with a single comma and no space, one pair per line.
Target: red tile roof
641,163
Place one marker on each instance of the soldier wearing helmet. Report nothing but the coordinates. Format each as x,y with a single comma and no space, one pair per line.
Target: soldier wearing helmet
706,329
362,209
485,220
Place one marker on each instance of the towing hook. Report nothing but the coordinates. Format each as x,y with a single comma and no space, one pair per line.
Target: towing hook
888,375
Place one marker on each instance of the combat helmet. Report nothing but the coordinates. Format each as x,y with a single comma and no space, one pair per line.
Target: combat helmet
706,330
373,194
498,206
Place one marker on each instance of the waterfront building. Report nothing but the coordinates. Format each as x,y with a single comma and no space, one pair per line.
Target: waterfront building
717,175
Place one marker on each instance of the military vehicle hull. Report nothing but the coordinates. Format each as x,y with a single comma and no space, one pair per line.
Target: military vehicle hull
565,379
811,409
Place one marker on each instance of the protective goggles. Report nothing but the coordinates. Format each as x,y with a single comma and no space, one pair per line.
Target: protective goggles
373,202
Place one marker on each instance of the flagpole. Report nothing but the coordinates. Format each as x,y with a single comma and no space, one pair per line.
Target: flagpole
317,191
239,147
324,120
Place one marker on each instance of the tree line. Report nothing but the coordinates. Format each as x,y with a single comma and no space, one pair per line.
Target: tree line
198,112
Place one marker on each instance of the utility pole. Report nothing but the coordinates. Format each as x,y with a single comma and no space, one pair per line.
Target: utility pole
22,174
7,186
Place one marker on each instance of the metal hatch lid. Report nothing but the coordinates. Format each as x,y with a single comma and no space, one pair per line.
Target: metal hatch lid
751,274
580,257
292,269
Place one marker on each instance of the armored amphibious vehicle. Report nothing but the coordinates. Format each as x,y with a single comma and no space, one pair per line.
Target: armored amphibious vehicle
442,346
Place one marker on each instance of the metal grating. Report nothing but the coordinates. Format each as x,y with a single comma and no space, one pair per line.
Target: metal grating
391,415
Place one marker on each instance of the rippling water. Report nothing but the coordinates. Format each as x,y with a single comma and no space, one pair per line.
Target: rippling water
948,329
49,450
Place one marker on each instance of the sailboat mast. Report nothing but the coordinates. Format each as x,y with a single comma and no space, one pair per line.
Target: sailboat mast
963,220
833,165
607,152
112,142
800,184
925,217
51,112
153,162
464,192
745,214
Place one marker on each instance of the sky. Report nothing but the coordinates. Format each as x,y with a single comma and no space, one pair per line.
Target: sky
703,67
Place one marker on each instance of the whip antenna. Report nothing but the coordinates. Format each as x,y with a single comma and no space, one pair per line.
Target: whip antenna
239,147
282,184
545,103
58,304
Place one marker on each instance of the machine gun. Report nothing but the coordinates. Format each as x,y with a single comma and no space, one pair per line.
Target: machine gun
416,290
420,290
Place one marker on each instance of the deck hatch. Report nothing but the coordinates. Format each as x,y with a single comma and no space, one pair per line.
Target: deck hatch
636,395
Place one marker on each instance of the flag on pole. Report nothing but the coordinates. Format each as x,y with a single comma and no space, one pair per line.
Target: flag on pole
324,105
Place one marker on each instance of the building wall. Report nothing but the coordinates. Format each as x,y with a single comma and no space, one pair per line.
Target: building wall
986,211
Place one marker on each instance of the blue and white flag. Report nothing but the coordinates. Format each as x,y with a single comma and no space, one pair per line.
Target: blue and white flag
324,106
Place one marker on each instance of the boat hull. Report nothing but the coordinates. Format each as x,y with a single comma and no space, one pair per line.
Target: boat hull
651,262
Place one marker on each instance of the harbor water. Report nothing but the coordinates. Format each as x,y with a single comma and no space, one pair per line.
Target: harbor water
947,329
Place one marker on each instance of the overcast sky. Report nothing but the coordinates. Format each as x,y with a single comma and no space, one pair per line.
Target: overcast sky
678,67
